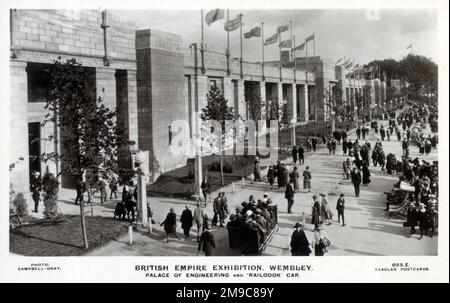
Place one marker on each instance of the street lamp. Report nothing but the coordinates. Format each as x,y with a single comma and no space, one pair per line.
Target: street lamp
356,116
333,122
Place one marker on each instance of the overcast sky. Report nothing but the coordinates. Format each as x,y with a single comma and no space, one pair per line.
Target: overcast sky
338,32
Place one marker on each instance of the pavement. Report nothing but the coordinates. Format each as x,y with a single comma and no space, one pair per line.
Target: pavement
369,231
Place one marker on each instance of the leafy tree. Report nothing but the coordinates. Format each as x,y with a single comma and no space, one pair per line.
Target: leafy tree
89,133
50,188
217,109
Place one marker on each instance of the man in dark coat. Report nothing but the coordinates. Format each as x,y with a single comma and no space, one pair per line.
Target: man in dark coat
358,133
340,206
294,154
205,188
301,155
216,208
299,242
411,218
186,220
207,243
356,180
289,195
80,191
314,143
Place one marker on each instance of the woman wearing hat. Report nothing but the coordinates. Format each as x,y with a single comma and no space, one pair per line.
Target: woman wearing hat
326,212
299,242
316,212
411,218
307,179
170,224
321,242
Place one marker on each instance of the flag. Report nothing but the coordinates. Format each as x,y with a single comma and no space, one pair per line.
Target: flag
339,61
232,24
286,44
309,38
409,46
300,47
346,62
214,15
271,40
282,28
254,32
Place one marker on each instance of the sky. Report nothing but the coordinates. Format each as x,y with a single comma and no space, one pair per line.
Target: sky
358,34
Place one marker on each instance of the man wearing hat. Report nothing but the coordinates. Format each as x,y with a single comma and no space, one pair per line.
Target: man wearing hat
356,180
299,242
340,206
207,243
411,218
289,195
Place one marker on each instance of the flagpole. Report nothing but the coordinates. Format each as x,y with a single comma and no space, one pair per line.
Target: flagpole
293,56
262,45
202,46
279,47
306,42
314,44
240,25
290,26
228,45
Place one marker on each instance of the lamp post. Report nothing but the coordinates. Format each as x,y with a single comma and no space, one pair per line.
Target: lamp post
356,116
141,159
333,122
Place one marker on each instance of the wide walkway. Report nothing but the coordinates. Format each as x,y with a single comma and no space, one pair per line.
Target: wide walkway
368,231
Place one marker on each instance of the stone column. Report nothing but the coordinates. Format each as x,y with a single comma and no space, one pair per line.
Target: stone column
294,113
242,107
132,107
201,90
280,94
106,85
262,95
228,91
18,129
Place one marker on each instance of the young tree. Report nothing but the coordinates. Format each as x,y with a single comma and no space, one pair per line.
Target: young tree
279,112
217,109
90,135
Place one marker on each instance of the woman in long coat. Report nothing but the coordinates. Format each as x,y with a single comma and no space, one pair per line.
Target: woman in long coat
280,176
295,176
257,171
366,174
347,167
326,212
316,219
186,220
307,179
299,242
271,176
170,224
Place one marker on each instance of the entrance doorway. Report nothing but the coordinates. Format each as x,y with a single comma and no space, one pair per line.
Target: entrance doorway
34,148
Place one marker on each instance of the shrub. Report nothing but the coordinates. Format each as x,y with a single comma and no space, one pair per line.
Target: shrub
215,166
20,205
50,188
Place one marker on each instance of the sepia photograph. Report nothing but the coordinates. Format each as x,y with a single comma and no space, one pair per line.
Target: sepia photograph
224,132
